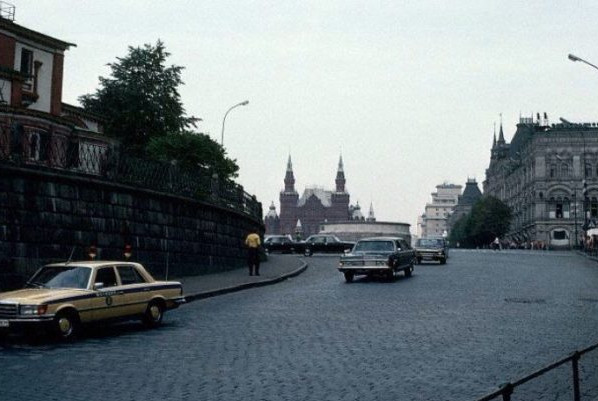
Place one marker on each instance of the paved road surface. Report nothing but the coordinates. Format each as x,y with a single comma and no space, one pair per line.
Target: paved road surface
450,332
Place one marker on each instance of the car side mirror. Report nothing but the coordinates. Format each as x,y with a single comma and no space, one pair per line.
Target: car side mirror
347,251
98,286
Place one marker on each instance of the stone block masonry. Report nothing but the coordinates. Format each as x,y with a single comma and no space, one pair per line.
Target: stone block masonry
45,215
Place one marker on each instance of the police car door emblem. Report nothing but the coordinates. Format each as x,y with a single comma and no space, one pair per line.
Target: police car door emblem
108,300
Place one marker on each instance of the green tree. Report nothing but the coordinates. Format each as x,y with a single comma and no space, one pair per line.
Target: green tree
491,218
192,150
488,219
140,99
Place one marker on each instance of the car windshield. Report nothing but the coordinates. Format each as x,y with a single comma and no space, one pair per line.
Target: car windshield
373,246
61,277
429,242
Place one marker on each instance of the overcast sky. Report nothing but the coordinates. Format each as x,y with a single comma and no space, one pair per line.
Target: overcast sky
408,91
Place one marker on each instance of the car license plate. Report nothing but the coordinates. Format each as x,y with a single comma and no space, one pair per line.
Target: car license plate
3,323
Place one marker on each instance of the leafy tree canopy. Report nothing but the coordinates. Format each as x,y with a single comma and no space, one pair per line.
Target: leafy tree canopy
140,99
488,219
192,150
143,108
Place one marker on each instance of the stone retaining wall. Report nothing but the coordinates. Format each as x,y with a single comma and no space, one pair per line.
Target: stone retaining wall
44,216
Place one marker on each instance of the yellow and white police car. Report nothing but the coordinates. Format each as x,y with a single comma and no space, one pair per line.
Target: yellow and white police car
63,296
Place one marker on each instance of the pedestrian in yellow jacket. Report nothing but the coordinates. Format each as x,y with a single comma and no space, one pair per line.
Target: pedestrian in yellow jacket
253,243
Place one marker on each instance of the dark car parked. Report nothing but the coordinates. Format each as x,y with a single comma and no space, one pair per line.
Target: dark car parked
279,243
325,243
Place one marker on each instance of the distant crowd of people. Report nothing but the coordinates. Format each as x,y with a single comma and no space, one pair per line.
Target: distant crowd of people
498,244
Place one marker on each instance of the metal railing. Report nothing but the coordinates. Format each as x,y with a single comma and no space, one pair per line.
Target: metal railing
507,389
7,11
69,154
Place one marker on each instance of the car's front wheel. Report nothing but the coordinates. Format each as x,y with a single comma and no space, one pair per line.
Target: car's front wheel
308,252
409,271
66,325
153,314
349,277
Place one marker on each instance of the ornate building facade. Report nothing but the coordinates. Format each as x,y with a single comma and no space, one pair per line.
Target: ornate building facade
548,176
302,216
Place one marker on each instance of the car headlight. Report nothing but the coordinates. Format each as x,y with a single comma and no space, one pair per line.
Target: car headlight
33,310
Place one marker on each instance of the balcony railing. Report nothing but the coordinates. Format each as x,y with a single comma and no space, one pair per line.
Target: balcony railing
36,149
7,11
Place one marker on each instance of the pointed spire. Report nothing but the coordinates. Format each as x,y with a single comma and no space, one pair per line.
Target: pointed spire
371,216
340,176
494,139
501,135
289,178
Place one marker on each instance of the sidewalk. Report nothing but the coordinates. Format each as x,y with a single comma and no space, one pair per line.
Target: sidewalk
278,268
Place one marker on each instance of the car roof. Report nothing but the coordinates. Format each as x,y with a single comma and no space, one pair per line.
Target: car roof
382,239
94,263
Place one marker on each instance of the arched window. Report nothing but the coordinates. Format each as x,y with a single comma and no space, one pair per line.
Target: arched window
34,142
559,209
552,170
566,208
551,208
564,170
588,170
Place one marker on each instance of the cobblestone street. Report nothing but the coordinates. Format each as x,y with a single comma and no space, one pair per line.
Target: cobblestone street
451,332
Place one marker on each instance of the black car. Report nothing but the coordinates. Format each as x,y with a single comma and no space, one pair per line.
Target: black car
279,243
383,256
325,243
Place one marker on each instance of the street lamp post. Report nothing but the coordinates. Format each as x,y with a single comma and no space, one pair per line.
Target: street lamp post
245,103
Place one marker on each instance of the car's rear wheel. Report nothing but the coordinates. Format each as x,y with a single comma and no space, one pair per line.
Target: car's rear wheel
443,261
153,314
308,252
349,277
66,325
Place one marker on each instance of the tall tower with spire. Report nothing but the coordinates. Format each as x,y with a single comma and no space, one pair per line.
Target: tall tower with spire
340,197
288,201
340,176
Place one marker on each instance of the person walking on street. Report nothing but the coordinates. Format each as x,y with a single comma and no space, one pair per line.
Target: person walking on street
253,256
496,244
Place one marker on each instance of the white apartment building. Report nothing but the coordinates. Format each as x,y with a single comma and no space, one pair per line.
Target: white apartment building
434,220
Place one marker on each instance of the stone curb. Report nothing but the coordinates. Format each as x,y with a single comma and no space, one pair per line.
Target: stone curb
244,286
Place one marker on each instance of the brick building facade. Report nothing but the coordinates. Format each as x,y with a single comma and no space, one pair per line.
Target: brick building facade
548,176
303,216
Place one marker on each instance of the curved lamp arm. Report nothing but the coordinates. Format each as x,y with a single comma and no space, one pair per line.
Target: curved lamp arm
244,103
575,58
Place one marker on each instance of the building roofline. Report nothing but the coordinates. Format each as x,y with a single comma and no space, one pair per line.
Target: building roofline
34,35
364,222
81,112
